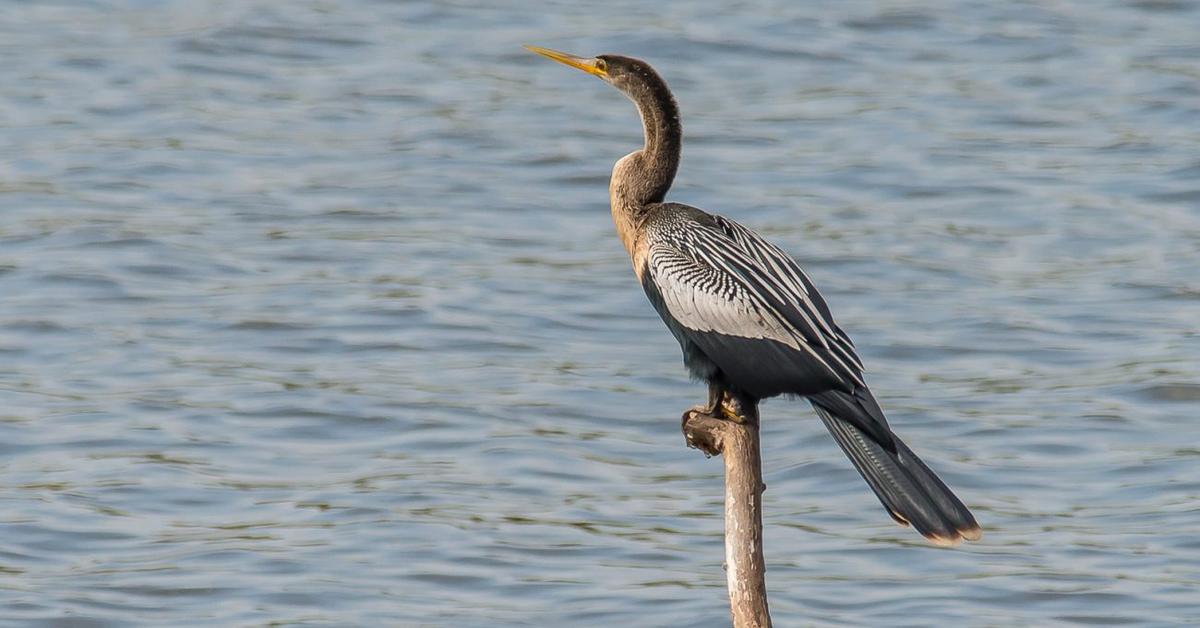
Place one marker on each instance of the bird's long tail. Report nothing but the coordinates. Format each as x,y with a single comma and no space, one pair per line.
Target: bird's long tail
911,492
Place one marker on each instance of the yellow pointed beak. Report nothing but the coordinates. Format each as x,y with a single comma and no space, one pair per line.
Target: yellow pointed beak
591,66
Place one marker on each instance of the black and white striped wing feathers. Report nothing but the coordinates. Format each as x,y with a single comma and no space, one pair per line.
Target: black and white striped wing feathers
802,295
703,298
750,310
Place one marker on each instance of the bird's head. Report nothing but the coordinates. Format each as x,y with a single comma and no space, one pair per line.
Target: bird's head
631,76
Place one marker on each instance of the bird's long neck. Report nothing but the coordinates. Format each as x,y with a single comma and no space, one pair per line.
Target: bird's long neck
643,177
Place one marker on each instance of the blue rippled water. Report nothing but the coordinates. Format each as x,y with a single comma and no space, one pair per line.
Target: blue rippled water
311,313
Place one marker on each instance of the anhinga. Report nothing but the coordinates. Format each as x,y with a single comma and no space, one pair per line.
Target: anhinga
749,320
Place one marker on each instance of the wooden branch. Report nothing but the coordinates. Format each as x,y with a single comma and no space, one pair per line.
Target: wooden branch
735,437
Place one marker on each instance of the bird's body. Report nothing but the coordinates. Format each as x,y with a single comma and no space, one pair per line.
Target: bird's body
748,319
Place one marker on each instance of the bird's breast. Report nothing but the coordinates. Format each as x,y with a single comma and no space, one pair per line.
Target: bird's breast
628,229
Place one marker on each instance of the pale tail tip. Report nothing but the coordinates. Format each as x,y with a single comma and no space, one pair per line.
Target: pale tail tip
972,534
968,534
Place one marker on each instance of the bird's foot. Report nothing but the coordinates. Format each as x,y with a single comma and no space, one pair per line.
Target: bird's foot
702,425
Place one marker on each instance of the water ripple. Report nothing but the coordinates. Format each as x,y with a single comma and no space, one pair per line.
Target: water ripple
313,313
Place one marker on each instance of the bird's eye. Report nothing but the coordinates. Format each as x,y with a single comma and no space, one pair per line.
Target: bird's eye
602,65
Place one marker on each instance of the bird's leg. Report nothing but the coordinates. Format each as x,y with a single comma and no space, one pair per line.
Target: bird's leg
716,392
726,404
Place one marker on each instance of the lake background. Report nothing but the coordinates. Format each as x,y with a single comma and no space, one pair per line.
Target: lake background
312,313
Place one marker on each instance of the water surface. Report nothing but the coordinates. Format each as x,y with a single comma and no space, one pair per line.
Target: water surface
312,313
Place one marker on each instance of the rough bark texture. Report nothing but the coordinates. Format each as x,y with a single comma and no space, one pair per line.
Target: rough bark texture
734,436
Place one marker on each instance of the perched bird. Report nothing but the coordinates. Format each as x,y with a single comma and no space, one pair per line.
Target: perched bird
748,319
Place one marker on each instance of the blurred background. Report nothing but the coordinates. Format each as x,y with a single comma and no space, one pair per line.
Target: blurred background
313,312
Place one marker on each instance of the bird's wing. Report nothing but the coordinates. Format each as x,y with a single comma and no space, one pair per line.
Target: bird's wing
803,296
710,283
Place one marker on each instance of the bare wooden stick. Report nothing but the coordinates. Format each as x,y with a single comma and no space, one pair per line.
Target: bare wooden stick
734,437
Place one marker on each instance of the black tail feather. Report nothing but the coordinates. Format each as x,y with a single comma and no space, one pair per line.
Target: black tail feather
911,492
